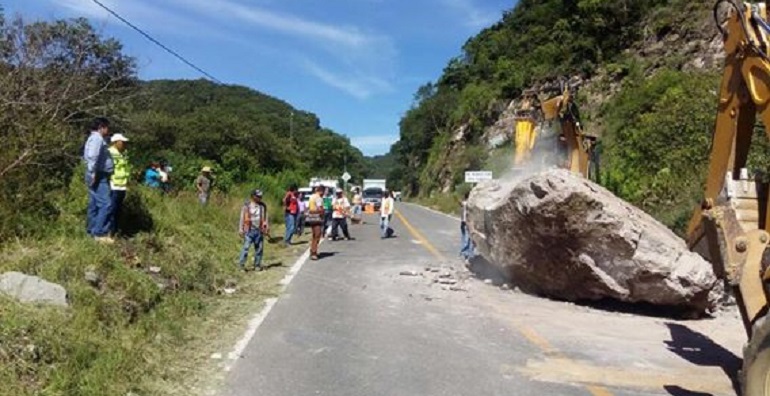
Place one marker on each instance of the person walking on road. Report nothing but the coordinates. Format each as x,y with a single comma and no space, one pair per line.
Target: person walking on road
99,168
290,211
341,211
386,215
203,185
357,204
119,179
328,212
466,247
315,219
253,227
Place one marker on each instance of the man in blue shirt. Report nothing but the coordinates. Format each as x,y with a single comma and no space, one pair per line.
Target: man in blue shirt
99,167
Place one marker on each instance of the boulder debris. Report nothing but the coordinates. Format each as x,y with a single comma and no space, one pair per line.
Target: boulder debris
559,235
32,289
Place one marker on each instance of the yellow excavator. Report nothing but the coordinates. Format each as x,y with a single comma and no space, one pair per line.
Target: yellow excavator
573,147
730,228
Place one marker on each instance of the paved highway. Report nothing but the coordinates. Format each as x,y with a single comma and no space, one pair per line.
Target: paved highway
352,324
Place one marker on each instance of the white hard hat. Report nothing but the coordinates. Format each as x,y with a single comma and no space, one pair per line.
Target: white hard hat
118,137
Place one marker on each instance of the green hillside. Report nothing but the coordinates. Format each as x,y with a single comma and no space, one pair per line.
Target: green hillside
650,73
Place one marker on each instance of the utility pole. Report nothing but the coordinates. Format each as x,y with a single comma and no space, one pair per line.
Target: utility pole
291,127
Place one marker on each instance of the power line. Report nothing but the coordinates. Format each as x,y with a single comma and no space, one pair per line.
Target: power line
169,50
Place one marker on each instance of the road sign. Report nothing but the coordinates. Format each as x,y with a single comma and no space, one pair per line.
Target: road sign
346,176
477,176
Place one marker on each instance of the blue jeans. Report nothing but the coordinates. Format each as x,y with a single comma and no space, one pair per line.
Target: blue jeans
116,198
289,220
385,226
253,237
466,244
99,207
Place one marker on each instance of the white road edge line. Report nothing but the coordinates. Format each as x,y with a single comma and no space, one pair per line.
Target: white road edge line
257,320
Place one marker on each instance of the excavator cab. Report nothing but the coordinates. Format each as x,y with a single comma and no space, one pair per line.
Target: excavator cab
730,228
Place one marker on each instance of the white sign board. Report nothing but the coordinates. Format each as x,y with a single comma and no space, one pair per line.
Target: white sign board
477,176
346,176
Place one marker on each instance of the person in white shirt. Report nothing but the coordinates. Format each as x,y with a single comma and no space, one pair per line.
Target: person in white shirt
340,212
386,214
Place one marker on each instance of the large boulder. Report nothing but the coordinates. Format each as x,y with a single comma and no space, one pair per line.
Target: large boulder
31,289
559,235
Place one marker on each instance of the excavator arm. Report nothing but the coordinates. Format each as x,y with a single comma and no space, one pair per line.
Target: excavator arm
575,144
730,228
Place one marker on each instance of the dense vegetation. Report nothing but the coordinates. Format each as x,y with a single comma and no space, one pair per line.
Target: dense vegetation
65,74
142,311
656,129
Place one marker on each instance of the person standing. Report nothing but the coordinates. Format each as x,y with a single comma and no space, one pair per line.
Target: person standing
290,210
315,219
119,179
341,210
203,185
386,215
466,247
253,227
300,222
357,204
99,167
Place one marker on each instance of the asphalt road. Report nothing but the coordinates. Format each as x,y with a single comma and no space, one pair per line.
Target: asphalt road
350,324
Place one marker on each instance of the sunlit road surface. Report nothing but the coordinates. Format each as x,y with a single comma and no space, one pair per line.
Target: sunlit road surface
352,324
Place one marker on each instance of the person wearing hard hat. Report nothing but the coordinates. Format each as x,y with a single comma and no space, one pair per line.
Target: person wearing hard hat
118,179
203,185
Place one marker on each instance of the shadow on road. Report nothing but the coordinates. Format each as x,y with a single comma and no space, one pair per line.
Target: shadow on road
698,349
323,255
674,390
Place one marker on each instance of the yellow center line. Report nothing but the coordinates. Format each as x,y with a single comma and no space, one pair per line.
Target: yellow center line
419,237
528,333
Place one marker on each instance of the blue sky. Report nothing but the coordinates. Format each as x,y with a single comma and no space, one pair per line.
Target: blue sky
355,63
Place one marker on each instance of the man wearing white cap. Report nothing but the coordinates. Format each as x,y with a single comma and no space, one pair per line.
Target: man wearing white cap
203,185
119,179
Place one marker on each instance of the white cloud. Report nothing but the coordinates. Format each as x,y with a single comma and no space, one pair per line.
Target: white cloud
358,62
474,16
362,62
144,15
359,86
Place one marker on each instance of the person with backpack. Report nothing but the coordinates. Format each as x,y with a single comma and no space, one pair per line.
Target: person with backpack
290,210
252,227
315,219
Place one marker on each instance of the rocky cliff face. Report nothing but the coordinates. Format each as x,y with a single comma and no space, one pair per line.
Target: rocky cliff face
692,44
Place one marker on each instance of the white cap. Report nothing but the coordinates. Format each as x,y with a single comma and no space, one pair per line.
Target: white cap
118,137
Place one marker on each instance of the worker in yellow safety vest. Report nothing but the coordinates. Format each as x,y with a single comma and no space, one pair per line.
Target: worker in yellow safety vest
118,179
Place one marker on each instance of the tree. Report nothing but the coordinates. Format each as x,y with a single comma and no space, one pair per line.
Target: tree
54,78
